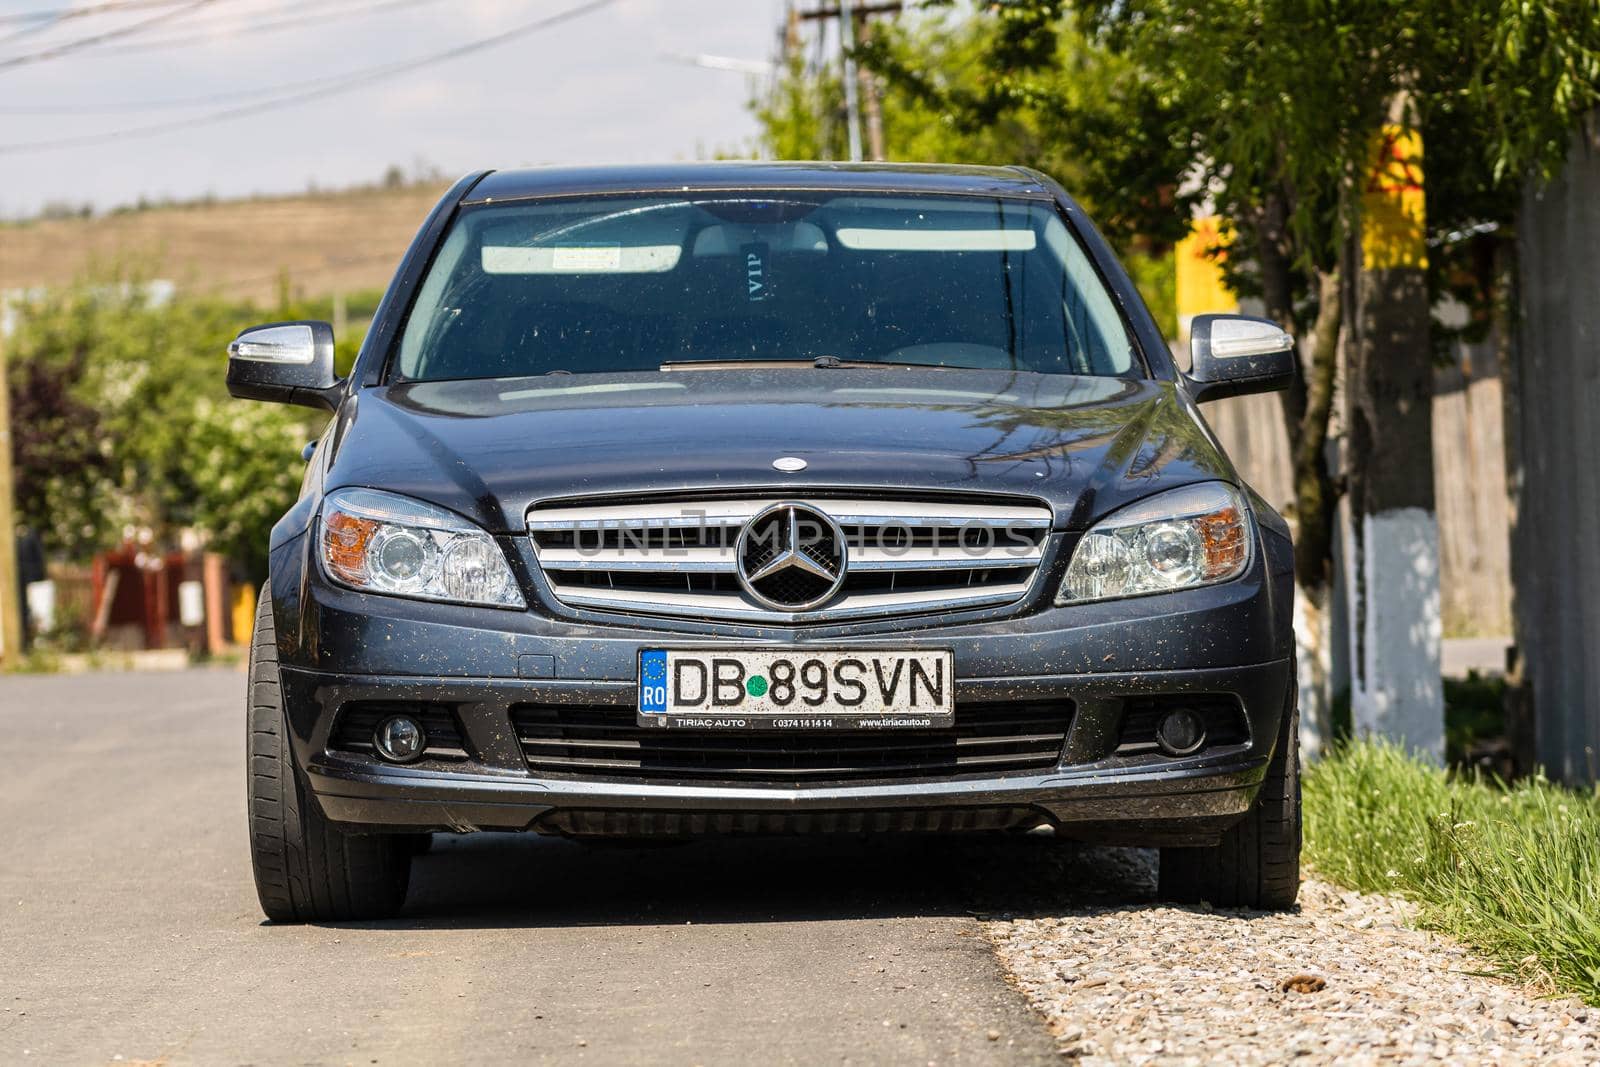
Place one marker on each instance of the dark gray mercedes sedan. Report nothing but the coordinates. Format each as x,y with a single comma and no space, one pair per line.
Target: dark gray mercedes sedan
768,498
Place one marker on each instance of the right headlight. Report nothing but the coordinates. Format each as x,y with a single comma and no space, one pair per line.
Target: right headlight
1197,535
386,543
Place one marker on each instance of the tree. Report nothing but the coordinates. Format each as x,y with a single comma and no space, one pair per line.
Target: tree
125,424
63,469
1023,86
1272,111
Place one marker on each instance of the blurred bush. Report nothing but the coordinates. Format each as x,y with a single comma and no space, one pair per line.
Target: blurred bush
123,426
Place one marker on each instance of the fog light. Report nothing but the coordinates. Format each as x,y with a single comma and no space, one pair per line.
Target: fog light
400,739
1181,733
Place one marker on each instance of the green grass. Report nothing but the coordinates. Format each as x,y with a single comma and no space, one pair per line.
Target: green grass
1512,871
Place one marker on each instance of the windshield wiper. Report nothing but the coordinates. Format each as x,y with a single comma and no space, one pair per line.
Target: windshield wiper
819,363
834,362
741,364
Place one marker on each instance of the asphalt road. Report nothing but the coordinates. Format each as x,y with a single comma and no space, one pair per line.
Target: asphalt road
130,931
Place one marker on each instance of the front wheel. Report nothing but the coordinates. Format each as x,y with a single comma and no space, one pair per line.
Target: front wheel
1257,863
306,868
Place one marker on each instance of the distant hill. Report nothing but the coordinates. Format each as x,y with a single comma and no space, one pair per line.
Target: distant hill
325,242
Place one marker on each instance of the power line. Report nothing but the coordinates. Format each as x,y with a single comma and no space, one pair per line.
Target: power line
68,47
343,84
211,32
62,14
175,103
178,103
30,29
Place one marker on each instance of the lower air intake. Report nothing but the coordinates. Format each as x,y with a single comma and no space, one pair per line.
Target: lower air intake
603,743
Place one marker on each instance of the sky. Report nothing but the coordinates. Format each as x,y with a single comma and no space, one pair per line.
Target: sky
600,87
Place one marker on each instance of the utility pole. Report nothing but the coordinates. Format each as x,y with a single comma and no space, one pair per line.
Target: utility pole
1392,544
857,83
871,102
852,90
10,591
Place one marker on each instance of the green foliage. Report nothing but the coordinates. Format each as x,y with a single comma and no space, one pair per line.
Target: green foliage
124,423
802,117
1513,871
1021,85
1269,106
243,461
1535,67
62,468
1156,277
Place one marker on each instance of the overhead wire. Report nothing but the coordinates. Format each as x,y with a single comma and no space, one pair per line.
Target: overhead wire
178,103
78,43
64,14
340,84
30,29
212,32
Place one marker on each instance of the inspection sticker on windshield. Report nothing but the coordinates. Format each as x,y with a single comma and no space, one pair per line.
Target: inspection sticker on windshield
796,689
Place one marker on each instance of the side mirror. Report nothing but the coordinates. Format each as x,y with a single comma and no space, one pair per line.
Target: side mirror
1230,355
286,362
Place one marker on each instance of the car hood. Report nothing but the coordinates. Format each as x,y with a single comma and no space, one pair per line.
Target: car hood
490,449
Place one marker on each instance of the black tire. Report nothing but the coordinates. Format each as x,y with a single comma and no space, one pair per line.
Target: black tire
306,869
1257,863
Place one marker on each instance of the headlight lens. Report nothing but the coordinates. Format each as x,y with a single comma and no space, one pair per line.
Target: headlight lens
1197,535
384,543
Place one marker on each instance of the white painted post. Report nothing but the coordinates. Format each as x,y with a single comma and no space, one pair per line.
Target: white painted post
1392,573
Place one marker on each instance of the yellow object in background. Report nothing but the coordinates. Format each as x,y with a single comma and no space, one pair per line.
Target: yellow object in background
1199,258
1393,215
243,614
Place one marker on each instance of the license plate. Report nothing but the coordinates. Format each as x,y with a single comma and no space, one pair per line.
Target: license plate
788,689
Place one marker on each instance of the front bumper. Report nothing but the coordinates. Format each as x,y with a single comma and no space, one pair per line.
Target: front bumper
339,647
1174,804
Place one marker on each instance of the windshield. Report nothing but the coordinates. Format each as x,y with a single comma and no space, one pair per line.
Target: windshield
604,285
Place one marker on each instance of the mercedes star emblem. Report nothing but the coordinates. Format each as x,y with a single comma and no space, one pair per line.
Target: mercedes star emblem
791,557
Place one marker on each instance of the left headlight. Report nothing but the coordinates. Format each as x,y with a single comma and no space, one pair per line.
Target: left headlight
1197,535
383,543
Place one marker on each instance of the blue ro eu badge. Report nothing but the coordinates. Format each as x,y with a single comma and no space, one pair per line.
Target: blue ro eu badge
653,682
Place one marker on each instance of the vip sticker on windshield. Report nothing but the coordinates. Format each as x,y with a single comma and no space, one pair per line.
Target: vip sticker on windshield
757,279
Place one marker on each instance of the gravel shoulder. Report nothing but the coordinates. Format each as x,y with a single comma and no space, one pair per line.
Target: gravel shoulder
1346,979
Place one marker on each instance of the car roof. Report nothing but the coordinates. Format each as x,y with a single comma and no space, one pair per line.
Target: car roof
740,175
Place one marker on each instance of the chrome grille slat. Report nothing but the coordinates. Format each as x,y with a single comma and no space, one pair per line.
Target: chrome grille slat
712,560
680,558
605,742
735,512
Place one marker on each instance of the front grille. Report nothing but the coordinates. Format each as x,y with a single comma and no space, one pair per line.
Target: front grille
603,742
680,558
1222,715
354,728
